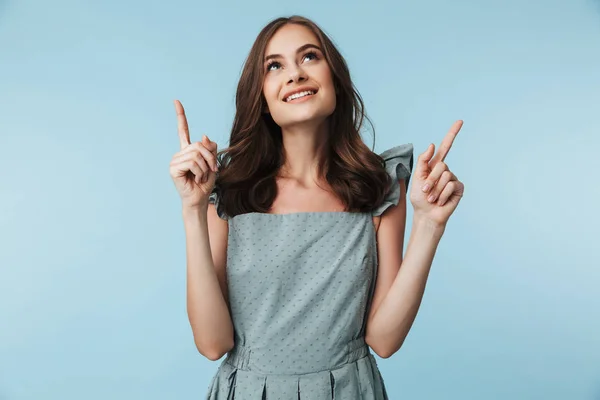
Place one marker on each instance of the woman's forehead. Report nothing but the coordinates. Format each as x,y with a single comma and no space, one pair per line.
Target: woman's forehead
289,38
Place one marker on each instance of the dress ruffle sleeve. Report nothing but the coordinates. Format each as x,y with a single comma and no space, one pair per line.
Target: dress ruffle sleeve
399,164
214,198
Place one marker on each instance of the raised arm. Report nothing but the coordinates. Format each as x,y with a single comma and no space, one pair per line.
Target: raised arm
193,170
435,194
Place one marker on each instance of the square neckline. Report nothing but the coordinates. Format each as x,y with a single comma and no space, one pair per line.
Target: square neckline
308,213
317,213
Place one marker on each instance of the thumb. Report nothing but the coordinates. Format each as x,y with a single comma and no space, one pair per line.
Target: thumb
423,169
212,146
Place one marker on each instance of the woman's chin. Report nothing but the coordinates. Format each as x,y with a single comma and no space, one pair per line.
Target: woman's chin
303,123
308,120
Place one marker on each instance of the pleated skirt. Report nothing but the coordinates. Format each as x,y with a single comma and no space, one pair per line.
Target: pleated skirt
359,379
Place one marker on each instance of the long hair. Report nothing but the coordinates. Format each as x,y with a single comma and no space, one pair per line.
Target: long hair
248,167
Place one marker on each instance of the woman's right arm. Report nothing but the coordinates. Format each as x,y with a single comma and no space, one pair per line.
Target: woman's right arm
207,296
194,171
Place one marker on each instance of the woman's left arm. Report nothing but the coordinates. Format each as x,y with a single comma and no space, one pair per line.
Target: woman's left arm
435,194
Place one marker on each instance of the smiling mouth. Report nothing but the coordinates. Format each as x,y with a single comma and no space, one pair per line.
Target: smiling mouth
300,95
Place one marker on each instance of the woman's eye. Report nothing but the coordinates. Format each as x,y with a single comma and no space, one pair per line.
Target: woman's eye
271,66
311,55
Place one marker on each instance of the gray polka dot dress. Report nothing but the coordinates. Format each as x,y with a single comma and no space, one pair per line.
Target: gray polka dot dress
300,287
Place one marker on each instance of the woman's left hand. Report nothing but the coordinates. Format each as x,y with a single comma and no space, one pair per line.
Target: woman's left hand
436,191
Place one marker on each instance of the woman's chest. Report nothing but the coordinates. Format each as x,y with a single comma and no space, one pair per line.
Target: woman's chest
274,247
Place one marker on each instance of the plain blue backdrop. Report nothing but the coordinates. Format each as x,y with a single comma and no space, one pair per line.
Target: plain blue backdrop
92,250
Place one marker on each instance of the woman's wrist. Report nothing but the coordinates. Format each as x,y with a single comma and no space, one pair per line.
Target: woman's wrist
424,224
194,210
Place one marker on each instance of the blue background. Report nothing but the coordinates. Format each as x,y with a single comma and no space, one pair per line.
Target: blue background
92,250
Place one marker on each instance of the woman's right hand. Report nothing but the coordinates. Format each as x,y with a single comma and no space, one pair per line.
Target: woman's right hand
193,168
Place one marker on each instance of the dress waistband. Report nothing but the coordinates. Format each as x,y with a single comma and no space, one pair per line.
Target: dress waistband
252,359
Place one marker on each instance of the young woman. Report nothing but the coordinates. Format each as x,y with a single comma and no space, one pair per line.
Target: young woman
295,232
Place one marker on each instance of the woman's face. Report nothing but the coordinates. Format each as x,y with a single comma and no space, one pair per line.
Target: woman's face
298,85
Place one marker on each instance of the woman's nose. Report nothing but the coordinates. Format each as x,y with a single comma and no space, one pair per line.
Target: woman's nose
297,74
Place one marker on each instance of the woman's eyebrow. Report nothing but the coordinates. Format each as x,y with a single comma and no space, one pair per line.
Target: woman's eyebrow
299,50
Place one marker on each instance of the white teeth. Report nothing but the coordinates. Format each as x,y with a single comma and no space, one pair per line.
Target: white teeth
300,94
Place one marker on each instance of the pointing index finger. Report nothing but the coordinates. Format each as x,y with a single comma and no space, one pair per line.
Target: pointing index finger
182,125
447,142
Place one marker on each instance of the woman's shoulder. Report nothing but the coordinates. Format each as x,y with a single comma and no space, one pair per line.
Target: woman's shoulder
215,199
398,164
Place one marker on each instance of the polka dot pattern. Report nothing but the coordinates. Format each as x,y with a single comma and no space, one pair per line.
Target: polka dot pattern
300,286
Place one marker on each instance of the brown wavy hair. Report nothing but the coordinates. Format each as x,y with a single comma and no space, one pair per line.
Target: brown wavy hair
248,167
